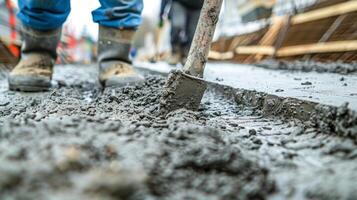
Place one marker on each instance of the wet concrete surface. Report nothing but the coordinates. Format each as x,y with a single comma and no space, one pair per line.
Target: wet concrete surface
309,66
326,88
78,141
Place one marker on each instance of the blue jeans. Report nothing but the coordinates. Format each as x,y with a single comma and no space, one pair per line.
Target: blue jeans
51,14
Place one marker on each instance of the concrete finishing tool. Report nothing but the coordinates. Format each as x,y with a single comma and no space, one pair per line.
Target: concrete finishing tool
185,88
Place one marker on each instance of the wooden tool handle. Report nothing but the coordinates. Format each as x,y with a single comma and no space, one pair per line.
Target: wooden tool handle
201,43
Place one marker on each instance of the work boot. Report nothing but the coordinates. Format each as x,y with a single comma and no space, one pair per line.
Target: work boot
175,58
38,55
115,69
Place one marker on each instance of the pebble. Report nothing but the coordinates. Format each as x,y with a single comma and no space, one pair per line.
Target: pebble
256,140
252,132
4,103
306,83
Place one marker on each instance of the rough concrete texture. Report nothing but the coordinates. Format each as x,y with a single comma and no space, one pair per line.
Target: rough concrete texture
308,66
325,88
79,142
340,121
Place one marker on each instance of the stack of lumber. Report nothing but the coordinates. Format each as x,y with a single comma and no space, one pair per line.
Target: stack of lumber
326,31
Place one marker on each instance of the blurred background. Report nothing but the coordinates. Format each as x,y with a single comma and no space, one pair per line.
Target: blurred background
249,31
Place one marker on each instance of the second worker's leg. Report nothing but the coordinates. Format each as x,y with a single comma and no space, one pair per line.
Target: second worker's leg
193,15
178,37
118,20
41,32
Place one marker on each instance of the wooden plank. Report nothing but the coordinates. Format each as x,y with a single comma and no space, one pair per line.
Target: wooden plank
322,13
235,42
283,32
220,56
328,47
332,28
326,36
275,34
272,33
263,50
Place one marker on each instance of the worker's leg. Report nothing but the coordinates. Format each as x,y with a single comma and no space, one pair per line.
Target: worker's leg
178,17
41,32
43,14
191,24
118,20
119,13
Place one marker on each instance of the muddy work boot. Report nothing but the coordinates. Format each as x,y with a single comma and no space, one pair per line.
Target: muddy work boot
175,58
38,55
115,69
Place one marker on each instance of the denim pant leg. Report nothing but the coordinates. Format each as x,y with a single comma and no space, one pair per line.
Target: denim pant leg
178,17
119,13
43,14
191,24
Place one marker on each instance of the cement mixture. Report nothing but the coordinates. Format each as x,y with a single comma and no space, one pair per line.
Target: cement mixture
79,142
309,65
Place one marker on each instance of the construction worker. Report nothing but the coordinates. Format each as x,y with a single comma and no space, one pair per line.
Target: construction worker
184,15
41,31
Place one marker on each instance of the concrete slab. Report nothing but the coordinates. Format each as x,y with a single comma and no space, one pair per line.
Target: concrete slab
325,88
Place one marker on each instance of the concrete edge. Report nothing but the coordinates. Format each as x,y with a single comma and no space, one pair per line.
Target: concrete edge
337,120
340,121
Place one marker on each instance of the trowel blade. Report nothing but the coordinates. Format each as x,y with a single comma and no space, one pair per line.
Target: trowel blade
182,91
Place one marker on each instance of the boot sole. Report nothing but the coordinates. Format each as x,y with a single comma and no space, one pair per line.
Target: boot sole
28,83
27,88
123,81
